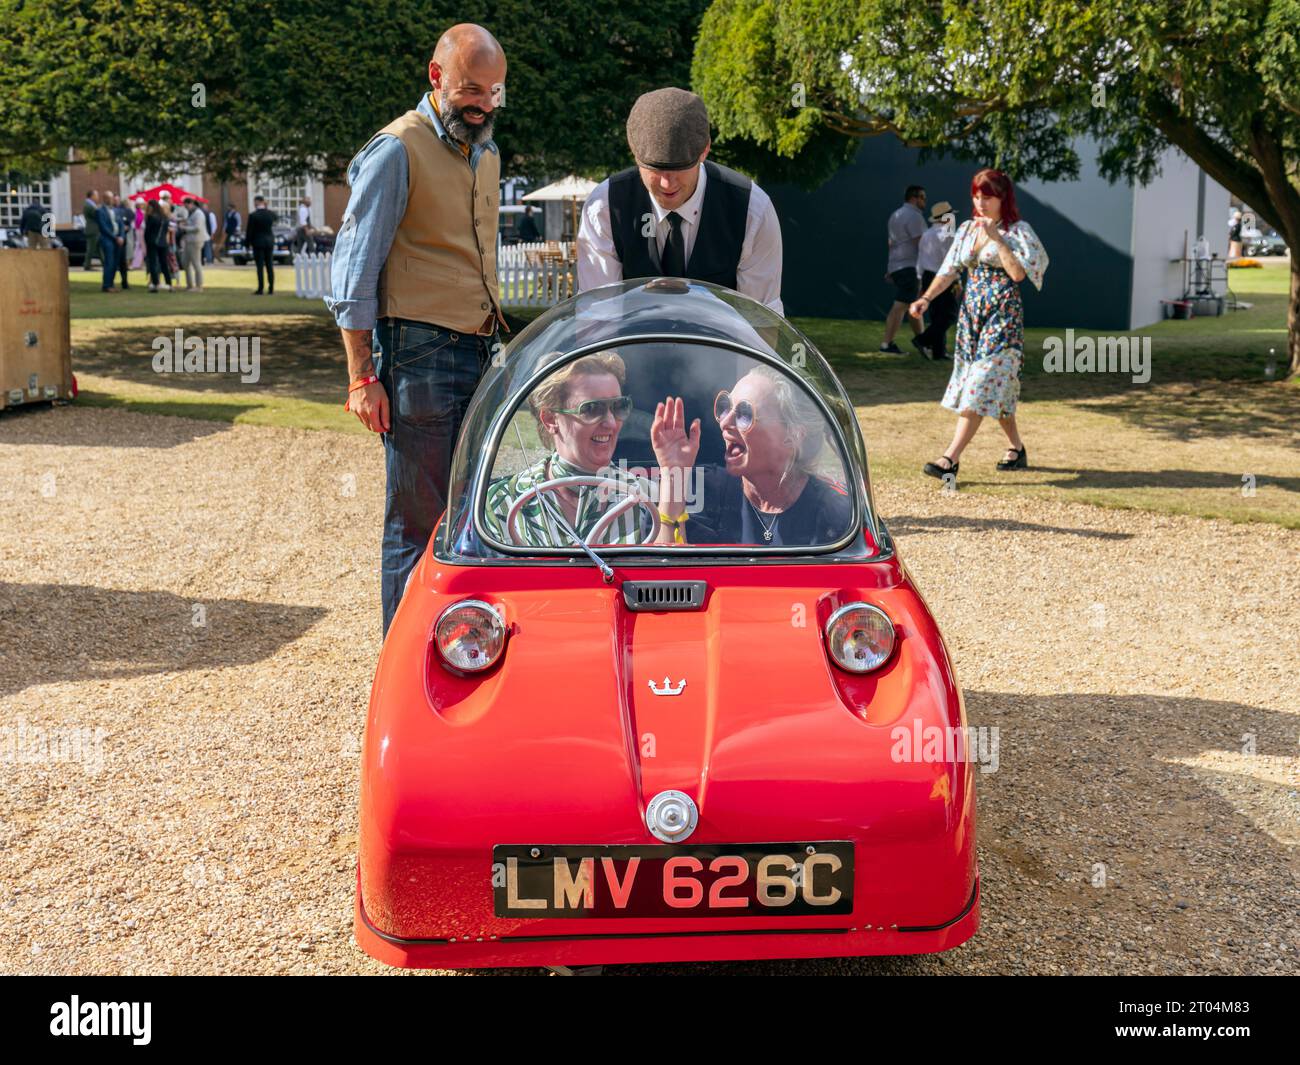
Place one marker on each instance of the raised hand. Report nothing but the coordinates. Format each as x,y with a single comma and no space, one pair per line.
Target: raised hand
673,445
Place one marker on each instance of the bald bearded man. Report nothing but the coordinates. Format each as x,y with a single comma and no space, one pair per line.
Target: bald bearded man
414,285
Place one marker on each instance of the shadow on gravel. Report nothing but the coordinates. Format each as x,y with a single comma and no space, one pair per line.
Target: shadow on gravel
76,425
1095,829
947,523
61,632
1077,478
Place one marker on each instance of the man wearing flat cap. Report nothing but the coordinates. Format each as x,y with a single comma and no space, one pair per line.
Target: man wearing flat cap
675,214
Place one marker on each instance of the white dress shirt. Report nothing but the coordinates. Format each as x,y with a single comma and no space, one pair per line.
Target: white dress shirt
758,274
935,243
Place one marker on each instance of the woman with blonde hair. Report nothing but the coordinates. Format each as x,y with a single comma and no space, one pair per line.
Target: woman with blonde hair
580,410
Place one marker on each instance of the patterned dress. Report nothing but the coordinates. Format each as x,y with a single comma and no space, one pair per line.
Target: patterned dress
990,330
538,529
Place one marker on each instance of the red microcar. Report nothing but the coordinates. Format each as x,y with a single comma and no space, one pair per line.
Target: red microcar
660,688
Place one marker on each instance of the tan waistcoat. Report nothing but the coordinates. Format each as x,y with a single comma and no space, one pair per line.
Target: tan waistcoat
442,266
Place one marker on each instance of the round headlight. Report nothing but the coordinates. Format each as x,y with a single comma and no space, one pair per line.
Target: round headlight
470,636
860,637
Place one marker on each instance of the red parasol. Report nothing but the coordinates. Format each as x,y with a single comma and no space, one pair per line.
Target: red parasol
177,193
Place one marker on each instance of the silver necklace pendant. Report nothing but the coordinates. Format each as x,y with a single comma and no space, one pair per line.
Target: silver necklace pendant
767,534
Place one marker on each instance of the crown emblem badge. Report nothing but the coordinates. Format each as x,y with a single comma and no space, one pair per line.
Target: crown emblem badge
667,688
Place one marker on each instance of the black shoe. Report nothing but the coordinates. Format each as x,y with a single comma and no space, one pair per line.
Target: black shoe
1020,462
258,292
933,469
891,349
926,352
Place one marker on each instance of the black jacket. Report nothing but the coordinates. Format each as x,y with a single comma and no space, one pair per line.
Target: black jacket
261,228
33,219
155,230
820,515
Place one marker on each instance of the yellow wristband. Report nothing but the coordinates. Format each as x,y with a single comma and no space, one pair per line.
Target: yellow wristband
677,524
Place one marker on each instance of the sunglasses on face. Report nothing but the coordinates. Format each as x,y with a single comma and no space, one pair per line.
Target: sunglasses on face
592,411
722,406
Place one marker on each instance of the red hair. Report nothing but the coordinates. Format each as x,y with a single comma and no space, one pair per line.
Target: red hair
995,183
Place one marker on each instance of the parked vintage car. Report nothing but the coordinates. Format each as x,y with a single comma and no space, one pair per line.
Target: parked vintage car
242,254
601,733
1257,241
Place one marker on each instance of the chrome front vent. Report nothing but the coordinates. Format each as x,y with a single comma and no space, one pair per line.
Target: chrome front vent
664,595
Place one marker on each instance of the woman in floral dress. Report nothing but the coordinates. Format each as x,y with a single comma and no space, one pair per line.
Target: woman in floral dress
998,250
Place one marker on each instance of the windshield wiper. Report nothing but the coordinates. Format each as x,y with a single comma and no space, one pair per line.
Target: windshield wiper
606,571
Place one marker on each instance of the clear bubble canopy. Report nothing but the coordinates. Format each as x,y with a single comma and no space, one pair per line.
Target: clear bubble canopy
568,430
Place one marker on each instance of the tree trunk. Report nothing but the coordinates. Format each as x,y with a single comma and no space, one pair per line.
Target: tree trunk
1293,314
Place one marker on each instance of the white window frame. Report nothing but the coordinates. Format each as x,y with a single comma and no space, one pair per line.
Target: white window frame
273,189
14,200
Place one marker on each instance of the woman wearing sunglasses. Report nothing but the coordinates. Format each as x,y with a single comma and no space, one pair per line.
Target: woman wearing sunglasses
767,492
999,250
579,410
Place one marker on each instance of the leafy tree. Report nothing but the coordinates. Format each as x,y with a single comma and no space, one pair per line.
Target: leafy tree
294,85
1014,83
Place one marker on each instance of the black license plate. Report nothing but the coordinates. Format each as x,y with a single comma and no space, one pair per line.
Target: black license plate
710,880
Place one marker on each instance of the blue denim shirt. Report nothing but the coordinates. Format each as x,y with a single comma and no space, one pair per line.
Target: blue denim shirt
378,179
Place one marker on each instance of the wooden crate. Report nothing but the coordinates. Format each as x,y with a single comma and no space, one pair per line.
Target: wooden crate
35,331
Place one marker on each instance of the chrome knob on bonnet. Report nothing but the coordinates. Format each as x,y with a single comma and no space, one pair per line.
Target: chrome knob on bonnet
671,816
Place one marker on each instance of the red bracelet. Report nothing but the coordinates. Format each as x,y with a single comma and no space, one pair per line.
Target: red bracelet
358,384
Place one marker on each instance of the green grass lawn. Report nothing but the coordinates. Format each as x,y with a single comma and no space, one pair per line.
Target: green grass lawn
1208,424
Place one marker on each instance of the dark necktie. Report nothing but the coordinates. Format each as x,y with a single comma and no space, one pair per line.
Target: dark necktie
673,260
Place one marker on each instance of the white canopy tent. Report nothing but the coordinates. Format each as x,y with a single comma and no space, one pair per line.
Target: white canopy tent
574,189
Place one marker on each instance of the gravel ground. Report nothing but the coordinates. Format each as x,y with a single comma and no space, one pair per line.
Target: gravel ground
189,620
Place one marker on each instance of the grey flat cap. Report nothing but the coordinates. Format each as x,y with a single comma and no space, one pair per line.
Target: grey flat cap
668,129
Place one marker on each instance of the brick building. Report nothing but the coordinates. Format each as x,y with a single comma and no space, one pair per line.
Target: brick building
65,192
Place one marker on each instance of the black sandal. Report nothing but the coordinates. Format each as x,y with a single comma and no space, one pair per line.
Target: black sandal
1020,462
933,469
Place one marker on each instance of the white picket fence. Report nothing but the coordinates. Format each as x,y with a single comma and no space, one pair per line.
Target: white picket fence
536,274
530,254
311,275
529,275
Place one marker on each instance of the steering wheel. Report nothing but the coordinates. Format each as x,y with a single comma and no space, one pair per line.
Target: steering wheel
634,497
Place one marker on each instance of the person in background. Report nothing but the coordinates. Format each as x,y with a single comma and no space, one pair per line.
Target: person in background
232,228
136,207
1234,234
932,342
998,249
195,227
528,231
208,254
111,241
304,237
261,238
906,227
157,246
33,226
90,212
126,222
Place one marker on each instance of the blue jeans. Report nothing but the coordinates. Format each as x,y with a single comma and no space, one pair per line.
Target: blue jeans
108,253
430,374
